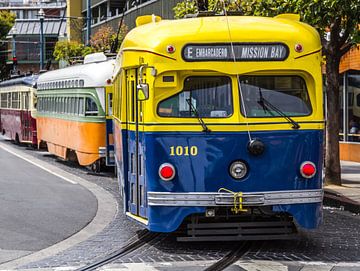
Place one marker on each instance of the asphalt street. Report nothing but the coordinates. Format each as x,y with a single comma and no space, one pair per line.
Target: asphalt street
37,208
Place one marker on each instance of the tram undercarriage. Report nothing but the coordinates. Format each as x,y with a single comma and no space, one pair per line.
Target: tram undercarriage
221,224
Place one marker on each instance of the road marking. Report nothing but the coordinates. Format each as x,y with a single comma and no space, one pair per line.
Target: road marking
36,164
261,265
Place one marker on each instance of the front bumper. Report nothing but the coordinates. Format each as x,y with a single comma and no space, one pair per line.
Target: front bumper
204,199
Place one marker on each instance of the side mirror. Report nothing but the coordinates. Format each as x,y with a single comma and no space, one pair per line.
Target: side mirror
142,91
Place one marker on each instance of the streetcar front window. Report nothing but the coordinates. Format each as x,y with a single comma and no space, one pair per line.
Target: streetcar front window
210,96
288,94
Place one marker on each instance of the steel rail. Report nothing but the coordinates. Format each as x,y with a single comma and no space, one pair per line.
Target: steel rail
231,257
131,246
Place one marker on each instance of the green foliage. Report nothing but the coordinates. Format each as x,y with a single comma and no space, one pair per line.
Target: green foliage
67,50
101,41
184,8
189,7
7,20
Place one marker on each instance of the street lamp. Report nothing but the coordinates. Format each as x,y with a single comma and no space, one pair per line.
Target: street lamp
14,31
42,42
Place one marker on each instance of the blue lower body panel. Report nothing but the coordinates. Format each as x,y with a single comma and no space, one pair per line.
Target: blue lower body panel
202,162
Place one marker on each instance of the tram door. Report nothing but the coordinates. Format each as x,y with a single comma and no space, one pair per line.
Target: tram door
25,116
110,159
136,174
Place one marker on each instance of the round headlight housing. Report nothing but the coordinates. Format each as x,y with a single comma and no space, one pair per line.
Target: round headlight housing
167,172
308,169
238,170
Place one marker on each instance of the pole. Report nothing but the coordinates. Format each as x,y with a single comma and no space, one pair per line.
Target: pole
42,43
14,52
345,108
88,24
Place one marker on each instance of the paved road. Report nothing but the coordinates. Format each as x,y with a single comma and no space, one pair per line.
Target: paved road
38,209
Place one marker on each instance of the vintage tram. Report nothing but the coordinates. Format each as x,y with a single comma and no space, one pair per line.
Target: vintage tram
17,109
72,112
218,124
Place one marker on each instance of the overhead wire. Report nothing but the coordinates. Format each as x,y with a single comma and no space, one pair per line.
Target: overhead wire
237,75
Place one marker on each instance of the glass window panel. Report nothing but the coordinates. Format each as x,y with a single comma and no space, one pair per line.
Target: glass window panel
210,96
286,93
91,108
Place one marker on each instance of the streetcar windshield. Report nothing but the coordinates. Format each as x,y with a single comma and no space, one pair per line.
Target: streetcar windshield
287,93
210,97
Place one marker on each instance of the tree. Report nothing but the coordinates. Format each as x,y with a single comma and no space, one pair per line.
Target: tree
102,40
338,24
7,20
70,50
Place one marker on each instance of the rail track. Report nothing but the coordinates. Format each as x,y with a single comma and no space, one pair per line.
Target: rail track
231,257
143,238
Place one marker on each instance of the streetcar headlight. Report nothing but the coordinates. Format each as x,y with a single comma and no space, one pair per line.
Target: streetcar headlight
308,169
167,172
238,170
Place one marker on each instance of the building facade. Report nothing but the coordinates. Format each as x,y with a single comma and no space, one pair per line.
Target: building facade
24,37
109,13
350,105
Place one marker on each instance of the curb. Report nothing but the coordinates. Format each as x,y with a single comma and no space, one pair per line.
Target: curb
106,210
333,199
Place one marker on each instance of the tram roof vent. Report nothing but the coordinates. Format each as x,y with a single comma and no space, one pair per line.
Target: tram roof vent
96,57
146,19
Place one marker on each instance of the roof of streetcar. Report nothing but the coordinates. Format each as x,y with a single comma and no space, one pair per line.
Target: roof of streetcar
95,74
29,80
156,35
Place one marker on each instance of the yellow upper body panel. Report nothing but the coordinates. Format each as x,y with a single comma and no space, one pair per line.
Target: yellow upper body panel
156,36
148,45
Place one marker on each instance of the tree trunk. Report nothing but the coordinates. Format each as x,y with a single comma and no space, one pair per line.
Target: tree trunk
332,157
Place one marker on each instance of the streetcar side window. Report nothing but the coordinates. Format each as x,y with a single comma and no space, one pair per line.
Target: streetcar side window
3,100
15,100
268,96
26,101
207,96
91,108
67,105
73,105
81,106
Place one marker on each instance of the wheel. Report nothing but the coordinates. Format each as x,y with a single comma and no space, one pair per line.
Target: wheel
96,166
17,140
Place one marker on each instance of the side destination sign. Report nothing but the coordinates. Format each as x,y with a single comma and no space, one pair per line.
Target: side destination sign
242,52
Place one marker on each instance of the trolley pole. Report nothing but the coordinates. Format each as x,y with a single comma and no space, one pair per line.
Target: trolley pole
42,43
88,24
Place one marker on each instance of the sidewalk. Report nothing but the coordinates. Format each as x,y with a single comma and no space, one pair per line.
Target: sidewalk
346,196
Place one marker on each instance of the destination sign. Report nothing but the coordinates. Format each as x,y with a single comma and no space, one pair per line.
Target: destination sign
242,52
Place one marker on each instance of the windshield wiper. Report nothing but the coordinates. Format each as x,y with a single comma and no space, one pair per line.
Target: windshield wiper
203,125
265,104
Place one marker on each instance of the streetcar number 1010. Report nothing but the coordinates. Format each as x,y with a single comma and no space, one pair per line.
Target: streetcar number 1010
183,151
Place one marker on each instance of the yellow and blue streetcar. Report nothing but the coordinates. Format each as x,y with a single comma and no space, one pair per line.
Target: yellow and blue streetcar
218,125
